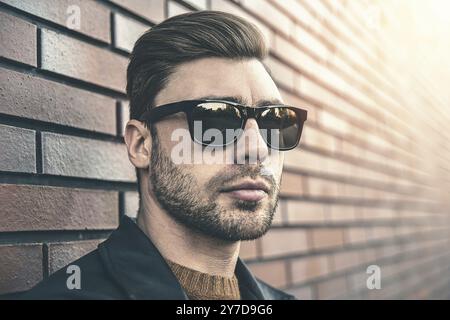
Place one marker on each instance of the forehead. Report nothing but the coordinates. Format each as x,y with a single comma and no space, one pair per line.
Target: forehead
219,77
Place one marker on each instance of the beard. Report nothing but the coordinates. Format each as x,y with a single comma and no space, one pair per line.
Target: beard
179,194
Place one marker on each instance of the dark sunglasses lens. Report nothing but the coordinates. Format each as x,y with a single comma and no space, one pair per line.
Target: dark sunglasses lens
211,121
280,127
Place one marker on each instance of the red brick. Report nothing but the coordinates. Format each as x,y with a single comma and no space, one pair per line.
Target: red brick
308,40
356,235
342,212
327,238
26,96
331,288
293,55
334,123
291,184
61,254
318,139
305,160
295,9
279,242
127,31
305,212
21,267
94,17
32,208
228,6
77,59
274,273
270,14
281,73
152,10
17,147
18,39
308,268
380,233
322,188
345,260
249,249
88,158
368,255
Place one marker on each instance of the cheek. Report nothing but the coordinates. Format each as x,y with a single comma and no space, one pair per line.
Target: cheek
275,164
202,174
202,166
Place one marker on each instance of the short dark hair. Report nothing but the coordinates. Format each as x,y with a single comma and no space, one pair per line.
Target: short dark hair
183,38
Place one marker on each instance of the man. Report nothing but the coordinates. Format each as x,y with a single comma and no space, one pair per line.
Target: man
199,77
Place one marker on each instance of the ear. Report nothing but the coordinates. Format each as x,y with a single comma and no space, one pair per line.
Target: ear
138,141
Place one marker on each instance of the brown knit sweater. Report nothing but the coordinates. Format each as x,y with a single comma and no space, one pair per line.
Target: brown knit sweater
203,286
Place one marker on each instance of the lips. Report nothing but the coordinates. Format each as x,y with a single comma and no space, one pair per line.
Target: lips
248,190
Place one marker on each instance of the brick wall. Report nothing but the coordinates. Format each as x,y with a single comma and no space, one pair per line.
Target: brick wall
370,184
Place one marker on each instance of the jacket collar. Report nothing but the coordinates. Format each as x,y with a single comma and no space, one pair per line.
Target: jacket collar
138,268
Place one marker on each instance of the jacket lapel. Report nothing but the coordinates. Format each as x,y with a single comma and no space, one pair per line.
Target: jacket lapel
137,267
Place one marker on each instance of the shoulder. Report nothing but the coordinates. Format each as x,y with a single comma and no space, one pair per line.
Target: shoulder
85,278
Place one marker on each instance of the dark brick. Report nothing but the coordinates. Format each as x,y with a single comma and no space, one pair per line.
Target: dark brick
30,97
87,158
61,254
74,58
20,267
152,10
94,17
18,39
18,151
33,208
127,31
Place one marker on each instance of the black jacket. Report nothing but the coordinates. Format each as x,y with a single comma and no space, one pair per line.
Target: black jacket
128,266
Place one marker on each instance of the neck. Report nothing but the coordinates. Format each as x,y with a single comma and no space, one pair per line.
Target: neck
185,246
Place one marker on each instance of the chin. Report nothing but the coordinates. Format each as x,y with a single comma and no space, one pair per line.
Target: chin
245,224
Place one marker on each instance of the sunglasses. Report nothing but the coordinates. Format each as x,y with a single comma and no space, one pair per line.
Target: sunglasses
280,125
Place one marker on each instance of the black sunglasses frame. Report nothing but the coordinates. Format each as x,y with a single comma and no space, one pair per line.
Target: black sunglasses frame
157,113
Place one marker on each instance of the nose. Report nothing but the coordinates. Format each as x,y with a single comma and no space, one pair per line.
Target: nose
251,147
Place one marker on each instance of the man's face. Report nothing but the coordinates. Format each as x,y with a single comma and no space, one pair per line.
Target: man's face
216,199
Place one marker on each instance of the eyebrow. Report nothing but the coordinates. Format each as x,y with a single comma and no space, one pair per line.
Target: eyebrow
241,100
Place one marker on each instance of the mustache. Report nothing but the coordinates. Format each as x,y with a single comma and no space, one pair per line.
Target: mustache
236,173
